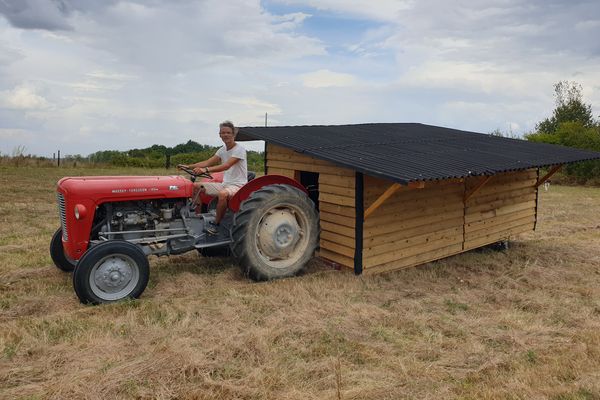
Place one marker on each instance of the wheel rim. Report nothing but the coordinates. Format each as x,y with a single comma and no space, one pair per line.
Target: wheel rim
280,235
114,277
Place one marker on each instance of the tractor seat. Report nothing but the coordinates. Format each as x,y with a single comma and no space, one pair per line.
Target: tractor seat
251,175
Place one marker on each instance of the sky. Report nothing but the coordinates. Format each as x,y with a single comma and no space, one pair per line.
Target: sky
81,76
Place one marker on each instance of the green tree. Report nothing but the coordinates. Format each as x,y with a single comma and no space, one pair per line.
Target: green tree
569,108
571,124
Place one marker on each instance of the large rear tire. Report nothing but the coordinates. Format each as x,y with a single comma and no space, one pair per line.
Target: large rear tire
57,252
275,232
111,271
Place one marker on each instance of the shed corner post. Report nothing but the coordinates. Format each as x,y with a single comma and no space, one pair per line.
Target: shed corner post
265,159
358,230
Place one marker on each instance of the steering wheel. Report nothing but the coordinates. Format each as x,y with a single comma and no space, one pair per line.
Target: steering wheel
194,175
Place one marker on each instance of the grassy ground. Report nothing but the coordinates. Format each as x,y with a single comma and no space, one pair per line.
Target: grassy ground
522,324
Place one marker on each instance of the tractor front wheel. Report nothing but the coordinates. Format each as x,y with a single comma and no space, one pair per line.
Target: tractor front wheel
275,232
111,271
57,252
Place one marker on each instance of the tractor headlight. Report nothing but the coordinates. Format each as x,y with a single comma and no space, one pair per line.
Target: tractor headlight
80,211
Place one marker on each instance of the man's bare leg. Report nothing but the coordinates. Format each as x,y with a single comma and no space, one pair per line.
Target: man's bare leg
199,190
221,205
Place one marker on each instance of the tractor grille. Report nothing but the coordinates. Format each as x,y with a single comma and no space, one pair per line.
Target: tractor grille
63,216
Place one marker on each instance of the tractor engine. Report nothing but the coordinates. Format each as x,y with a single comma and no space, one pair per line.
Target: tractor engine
143,221
140,215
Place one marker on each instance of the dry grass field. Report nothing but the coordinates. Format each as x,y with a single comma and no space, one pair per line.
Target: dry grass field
521,324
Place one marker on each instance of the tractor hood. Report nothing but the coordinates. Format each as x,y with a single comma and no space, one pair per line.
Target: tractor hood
122,188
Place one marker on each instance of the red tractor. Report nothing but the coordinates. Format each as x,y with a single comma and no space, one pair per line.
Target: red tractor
110,224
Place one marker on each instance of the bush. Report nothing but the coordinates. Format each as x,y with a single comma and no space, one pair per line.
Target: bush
574,134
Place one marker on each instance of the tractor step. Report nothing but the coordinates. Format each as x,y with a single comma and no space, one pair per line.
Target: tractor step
216,243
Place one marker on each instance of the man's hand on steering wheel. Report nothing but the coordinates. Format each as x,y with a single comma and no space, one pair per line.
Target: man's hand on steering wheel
198,171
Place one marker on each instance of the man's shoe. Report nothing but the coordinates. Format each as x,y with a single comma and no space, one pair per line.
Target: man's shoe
212,228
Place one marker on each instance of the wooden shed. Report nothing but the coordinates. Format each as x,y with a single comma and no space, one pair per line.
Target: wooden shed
397,195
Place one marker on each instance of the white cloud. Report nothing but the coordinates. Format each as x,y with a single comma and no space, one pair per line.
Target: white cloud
325,78
11,134
91,75
23,98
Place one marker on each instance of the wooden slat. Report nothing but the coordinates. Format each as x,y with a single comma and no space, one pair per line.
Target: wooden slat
500,196
486,223
335,199
492,205
337,180
310,167
418,240
337,248
415,260
410,206
338,258
492,189
343,230
280,171
410,223
338,219
325,207
502,179
498,236
411,251
481,215
469,236
412,209
274,148
337,238
297,158
373,192
440,222
404,200
340,191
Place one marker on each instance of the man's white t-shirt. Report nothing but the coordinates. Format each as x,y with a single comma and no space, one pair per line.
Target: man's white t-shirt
237,175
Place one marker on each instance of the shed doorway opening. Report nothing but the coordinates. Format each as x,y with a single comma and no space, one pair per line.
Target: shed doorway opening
310,180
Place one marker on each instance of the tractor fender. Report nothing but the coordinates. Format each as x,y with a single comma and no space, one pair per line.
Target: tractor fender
257,183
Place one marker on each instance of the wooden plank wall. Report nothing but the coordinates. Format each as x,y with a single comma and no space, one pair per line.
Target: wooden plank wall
413,226
501,209
336,200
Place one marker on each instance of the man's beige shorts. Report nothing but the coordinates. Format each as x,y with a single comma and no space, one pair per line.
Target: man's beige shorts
213,188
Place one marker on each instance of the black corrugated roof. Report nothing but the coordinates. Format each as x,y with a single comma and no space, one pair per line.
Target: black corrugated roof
407,152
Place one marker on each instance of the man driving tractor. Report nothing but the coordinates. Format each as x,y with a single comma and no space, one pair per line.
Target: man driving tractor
230,159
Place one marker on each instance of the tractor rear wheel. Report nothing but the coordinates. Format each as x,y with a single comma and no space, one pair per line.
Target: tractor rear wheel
57,252
275,232
111,271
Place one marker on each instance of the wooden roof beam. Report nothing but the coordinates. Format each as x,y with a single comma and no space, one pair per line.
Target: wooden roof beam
388,193
479,185
552,171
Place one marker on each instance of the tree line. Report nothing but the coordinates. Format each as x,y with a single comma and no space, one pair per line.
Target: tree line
157,156
572,124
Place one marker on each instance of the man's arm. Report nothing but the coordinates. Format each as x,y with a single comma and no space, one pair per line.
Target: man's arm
224,167
200,167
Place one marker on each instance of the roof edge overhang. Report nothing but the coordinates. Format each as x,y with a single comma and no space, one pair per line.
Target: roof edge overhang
246,136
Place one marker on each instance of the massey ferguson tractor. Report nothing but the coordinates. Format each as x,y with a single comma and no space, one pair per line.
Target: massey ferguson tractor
111,224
